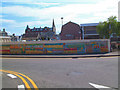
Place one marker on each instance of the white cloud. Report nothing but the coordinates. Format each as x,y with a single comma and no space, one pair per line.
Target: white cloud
20,26
16,0
99,11
61,1
7,21
70,9
1,16
45,4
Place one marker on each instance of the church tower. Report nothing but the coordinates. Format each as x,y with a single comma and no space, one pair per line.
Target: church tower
53,27
27,27
26,30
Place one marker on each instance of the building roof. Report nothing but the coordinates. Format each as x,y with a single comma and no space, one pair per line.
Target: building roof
5,37
69,23
89,24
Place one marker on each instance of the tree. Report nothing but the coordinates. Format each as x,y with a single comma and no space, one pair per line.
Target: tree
112,21
103,30
100,29
106,28
118,28
43,38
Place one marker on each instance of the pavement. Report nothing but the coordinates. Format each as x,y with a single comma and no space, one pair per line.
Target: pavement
110,54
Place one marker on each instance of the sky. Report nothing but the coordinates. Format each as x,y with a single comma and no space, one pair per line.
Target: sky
15,15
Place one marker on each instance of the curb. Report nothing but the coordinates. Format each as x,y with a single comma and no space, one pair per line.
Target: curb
69,56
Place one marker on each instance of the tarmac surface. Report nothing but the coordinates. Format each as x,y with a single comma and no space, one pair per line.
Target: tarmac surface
73,71
63,72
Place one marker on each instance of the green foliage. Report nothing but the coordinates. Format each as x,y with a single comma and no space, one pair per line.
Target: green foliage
48,38
118,28
43,38
106,28
113,23
100,29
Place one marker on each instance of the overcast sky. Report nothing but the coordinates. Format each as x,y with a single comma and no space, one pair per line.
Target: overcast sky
15,15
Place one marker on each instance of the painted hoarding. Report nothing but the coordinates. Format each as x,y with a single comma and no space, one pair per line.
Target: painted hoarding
57,48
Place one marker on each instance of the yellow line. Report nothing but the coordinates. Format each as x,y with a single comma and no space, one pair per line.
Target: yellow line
26,84
24,81
32,82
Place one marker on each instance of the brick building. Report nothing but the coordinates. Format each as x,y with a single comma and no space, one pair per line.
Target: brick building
45,33
70,31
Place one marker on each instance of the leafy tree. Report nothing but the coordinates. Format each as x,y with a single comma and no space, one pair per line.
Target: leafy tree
118,28
100,29
106,28
103,30
43,38
112,21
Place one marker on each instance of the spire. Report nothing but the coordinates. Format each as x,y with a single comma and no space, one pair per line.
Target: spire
27,27
53,27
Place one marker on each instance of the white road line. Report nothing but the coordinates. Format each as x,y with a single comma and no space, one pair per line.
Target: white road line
21,87
98,86
11,75
1,74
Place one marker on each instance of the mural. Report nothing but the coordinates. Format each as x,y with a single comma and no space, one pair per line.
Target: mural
4,49
56,48
104,47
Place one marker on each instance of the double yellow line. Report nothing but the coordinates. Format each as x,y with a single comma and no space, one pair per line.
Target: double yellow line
24,81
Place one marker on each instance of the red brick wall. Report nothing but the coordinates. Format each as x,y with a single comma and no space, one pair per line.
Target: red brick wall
70,31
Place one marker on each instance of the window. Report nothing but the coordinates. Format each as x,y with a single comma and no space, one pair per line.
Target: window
68,35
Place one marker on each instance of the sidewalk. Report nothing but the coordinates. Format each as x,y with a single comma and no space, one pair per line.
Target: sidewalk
111,54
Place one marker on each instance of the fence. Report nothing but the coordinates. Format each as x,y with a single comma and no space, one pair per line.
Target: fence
57,47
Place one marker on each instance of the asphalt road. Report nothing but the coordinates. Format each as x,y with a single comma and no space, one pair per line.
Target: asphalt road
62,72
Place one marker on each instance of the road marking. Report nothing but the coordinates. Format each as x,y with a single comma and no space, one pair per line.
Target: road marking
11,75
24,81
98,86
1,74
21,87
32,82
20,76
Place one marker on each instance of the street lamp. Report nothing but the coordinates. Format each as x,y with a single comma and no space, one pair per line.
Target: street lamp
62,20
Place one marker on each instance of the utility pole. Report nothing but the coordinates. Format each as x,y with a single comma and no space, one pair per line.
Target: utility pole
62,20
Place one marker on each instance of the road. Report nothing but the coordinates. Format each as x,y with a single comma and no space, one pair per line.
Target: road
62,72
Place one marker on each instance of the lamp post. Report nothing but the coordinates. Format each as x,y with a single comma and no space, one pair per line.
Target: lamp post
62,20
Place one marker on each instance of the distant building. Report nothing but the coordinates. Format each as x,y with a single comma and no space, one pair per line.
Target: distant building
13,38
89,31
4,36
3,33
45,33
70,31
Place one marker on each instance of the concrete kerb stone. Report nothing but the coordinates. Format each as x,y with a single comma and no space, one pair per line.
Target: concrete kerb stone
56,56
